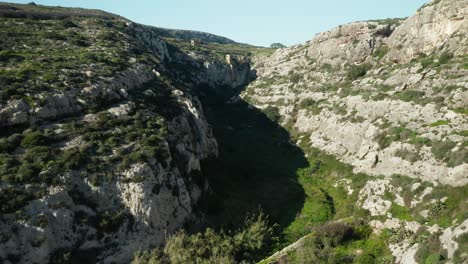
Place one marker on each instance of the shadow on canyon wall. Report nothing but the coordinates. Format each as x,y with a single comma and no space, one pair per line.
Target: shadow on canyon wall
256,167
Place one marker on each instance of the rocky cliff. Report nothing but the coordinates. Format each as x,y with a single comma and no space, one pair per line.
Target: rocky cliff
102,135
388,97
341,89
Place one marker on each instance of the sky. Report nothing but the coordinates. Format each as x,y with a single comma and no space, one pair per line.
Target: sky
257,22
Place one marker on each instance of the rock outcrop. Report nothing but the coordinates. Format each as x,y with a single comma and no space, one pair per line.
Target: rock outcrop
438,26
342,89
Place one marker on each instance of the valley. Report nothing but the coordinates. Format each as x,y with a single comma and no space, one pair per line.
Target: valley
126,143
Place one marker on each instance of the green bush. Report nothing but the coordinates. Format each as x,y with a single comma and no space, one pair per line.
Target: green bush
408,155
213,247
380,52
8,166
33,139
460,255
107,35
440,123
277,46
110,222
356,71
69,24
400,212
9,144
272,113
442,149
421,141
295,77
336,232
458,157
445,57
401,133
430,251
411,95
311,105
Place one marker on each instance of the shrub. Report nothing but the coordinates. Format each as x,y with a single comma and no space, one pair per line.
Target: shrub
69,24
356,71
380,52
73,159
411,95
107,35
294,77
400,133
442,149
408,155
311,105
430,251
11,143
35,138
421,141
277,46
460,255
445,57
213,247
110,222
8,166
13,199
457,158
272,113
440,123
336,232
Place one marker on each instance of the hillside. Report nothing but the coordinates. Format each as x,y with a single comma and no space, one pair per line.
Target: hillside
121,142
388,97
101,135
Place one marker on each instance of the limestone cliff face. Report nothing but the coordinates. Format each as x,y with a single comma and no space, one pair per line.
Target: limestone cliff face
439,26
354,112
388,97
147,189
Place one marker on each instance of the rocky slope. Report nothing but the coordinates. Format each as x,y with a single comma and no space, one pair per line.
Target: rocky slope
101,135
341,88
388,97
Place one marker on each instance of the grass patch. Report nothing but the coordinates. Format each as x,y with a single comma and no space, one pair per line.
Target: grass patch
440,123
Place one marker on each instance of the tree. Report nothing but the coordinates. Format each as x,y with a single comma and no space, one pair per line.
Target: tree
277,46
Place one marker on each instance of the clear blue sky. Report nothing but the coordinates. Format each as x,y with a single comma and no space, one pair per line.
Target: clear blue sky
258,22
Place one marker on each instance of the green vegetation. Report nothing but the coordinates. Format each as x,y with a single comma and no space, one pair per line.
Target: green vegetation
380,52
36,157
272,113
400,212
463,111
433,61
460,255
408,155
277,46
400,133
342,242
311,105
60,61
217,52
356,71
440,123
442,150
213,247
411,95
431,251
295,77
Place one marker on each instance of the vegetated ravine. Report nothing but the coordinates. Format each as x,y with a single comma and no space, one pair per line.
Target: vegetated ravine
123,143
